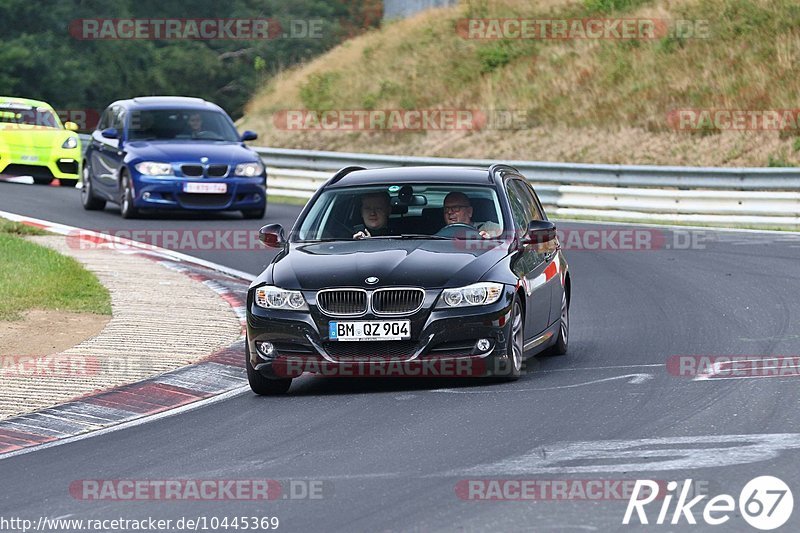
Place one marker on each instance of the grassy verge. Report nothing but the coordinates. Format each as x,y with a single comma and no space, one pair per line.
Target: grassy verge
287,200
583,100
35,277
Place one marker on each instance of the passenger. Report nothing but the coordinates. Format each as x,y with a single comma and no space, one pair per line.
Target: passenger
457,209
375,210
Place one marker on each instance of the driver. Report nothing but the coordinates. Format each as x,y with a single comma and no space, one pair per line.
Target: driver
196,124
375,210
457,209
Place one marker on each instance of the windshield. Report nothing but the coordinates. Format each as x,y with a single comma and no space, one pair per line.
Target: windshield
429,211
186,124
29,116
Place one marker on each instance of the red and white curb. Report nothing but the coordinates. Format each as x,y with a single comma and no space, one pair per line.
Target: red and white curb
217,377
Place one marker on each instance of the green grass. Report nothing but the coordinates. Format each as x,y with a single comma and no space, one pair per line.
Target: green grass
35,277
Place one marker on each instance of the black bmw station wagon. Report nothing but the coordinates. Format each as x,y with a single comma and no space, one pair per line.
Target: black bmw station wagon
414,271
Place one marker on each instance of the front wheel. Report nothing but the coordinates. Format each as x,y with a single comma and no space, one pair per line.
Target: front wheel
126,208
510,367
261,385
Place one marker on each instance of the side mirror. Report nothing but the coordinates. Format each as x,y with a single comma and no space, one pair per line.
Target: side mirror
540,232
271,236
249,136
110,133
71,126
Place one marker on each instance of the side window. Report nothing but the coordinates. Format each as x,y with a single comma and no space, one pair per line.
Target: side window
518,211
105,120
537,213
118,120
529,204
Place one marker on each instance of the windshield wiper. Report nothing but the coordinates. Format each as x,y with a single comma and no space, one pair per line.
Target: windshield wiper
411,236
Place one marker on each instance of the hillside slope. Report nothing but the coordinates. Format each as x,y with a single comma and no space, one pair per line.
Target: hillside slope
583,100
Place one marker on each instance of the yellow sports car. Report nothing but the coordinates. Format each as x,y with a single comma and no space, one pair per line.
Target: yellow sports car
34,143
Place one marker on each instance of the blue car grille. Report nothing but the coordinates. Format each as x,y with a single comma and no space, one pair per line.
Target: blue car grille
211,171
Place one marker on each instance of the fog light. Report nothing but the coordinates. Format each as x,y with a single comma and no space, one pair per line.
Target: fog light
146,196
265,350
483,345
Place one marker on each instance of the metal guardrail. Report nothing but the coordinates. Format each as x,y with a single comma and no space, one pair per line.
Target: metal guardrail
757,197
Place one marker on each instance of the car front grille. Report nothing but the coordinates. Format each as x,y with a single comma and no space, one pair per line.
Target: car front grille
397,301
27,170
342,302
192,171
341,351
204,200
198,171
217,171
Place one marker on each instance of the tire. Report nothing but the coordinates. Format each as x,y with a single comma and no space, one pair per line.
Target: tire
562,342
88,199
126,208
256,214
261,385
42,181
510,368
62,182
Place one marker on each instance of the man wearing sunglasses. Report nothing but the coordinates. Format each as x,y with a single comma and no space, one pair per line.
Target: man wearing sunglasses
457,209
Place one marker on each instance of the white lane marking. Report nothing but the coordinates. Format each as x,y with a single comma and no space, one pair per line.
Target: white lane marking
63,229
598,368
132,423
633,379
637,455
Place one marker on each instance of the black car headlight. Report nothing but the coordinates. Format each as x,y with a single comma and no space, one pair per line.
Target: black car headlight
484,293
274,298
249,170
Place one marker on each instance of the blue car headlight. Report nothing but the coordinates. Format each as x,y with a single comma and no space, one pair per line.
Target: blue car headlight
476,294
249,170
154,168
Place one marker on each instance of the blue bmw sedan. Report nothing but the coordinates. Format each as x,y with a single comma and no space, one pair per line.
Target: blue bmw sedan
181,153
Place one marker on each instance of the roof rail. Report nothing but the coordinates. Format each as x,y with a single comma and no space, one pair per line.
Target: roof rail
499,167
344,172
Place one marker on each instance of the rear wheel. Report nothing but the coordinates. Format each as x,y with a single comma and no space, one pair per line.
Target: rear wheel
262,385
88,199
42,181
126,208
67,182
562,342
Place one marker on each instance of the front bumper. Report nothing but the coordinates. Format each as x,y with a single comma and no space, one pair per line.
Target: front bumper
168,193
443,342
53,165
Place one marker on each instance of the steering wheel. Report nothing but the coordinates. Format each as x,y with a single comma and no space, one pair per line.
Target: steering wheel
451,230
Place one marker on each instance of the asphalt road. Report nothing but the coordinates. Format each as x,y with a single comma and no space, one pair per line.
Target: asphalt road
390,454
